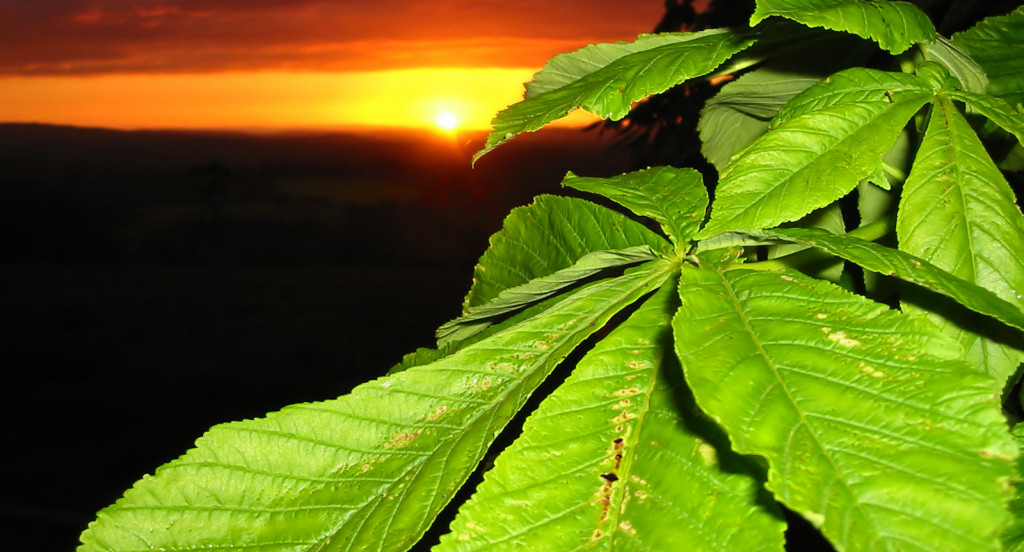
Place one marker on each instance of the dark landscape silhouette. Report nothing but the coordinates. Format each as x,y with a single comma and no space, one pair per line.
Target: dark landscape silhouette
155,283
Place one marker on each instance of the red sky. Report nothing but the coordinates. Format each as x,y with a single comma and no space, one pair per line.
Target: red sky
195,63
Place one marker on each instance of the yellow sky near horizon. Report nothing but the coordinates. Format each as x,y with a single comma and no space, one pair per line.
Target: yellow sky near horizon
410,98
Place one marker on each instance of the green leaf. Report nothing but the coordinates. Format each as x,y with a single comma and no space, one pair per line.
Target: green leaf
675,198
567,68
548,235
512,299
1013,536
971,76
830,138
619,458
368,471
1014,160
995,110
958,213
740,112
872,427
898,264
895,26
799,57
777,40
875,203
854,85
997,45
421,356
828,218
610,91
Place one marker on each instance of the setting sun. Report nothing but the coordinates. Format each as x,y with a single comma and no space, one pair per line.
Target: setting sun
446,120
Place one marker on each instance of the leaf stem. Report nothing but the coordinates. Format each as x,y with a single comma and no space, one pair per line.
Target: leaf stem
894,172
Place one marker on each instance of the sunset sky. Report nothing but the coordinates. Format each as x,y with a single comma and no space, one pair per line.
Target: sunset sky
298,63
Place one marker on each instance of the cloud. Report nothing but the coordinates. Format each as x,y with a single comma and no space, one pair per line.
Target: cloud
80,37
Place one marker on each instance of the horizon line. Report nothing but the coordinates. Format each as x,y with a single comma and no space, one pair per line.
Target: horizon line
289,129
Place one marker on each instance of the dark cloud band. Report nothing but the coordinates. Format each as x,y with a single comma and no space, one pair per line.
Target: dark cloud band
80,37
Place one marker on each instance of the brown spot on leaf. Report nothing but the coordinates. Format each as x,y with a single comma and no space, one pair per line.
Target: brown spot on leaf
623,417
402,439
842,339
441,410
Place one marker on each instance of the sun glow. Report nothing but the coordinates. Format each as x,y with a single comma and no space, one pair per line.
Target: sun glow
447,121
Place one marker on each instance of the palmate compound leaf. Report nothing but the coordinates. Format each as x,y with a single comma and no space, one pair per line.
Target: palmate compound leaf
551,234
609,92
824,142
958,213
619,458
873,428
367,471
675,198
895,26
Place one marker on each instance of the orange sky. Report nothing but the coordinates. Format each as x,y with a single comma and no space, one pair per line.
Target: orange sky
304,63
269,99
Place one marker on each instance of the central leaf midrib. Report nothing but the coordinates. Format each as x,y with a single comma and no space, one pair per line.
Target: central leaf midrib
627,462
780,381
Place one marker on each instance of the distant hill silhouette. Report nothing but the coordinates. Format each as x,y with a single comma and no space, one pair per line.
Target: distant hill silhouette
78,194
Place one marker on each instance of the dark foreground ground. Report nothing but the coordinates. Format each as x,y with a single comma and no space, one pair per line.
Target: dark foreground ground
146,293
